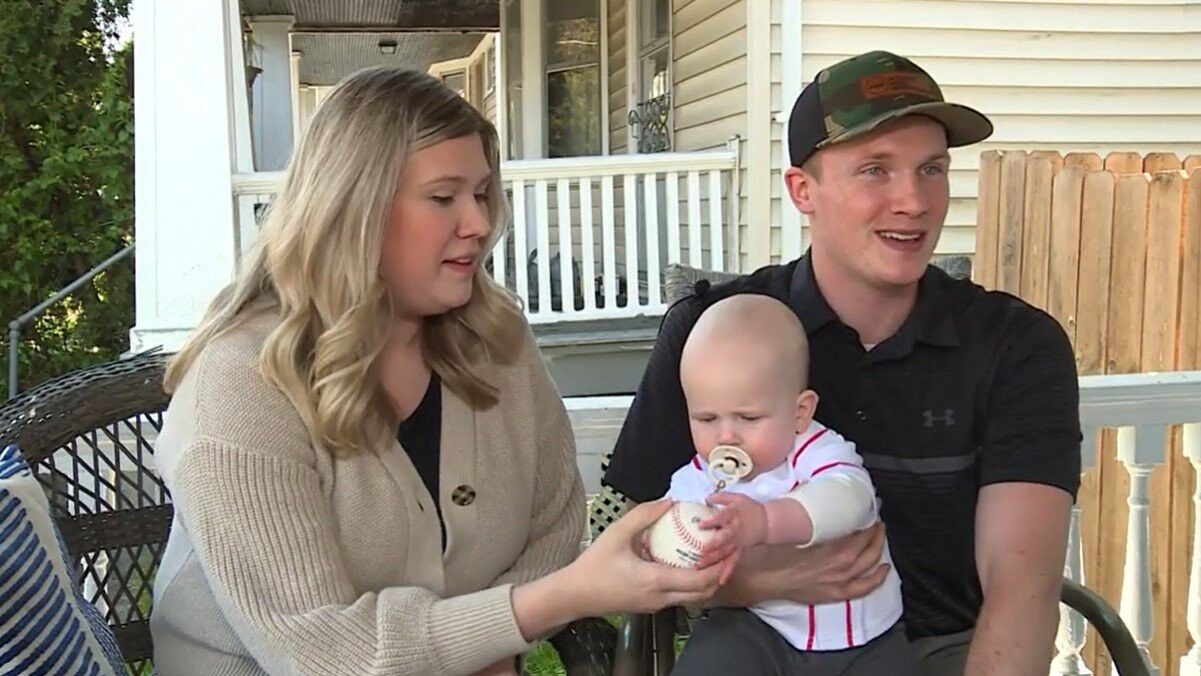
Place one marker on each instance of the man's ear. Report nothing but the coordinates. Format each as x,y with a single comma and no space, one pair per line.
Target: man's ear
799,184
806,407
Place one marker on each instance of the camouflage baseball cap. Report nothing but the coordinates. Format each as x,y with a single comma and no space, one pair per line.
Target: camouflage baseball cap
853,97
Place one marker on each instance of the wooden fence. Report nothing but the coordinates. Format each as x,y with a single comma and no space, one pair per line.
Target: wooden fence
1112,249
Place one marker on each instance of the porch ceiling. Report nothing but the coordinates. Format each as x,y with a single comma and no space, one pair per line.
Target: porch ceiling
408,15
329,57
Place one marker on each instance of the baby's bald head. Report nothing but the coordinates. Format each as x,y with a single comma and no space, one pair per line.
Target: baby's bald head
759,331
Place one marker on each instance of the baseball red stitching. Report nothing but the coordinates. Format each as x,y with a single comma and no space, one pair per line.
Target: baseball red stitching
688,537
665,562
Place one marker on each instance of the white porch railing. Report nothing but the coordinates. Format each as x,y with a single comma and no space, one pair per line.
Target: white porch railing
590,235
1142,408
608,225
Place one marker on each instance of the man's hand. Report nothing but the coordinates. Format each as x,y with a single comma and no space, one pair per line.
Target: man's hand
847,568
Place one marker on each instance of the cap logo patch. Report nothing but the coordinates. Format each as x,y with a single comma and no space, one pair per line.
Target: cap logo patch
888,85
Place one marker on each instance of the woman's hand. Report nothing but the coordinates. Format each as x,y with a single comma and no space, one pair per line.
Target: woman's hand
847,568
610,577
619,579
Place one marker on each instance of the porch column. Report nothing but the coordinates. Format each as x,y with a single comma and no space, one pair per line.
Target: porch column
533,80
271,94
532,32
294,92
184,155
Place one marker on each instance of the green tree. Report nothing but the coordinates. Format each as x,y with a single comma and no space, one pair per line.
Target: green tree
66,178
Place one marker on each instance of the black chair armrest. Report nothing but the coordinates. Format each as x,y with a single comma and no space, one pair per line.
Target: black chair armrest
586,647
1110,627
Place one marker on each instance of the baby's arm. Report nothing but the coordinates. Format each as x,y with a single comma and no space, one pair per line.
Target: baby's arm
836,504
833,488
826,508
833,497
742,523
748,523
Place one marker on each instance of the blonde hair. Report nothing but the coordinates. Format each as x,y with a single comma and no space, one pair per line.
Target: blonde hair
315,264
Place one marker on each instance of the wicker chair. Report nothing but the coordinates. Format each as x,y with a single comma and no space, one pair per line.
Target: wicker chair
88,436
647,642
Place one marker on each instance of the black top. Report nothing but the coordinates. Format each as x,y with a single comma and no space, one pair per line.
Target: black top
420,435
976,387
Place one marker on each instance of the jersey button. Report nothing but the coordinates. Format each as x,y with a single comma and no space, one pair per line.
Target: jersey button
862,415
463,495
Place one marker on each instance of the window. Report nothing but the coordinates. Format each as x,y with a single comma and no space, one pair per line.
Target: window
490,68
650,117
573,102
456,80
656,21
477,84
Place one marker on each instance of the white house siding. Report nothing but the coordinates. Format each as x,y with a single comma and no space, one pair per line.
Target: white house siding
618,136
781,106
709,65
1070,75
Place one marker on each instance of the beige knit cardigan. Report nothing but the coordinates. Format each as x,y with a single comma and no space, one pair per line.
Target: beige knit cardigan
285,559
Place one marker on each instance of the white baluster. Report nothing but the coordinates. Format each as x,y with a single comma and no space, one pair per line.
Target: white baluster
1190,663
608,243
520,249
673,217
542,212
630,207
650,201
716,223
500,255
587,245
1069,642
566,269
1140,449
694,219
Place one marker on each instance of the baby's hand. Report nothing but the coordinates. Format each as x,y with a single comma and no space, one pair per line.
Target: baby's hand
741,523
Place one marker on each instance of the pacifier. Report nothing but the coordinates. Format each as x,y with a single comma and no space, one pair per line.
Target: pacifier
728,464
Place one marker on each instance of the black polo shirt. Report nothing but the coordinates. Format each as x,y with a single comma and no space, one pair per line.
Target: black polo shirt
976,387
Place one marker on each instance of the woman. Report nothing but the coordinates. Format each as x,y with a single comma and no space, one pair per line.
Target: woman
371,468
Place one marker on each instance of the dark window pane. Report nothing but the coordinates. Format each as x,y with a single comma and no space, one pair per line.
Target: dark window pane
573,105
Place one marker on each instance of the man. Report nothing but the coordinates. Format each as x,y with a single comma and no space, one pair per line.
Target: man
962,402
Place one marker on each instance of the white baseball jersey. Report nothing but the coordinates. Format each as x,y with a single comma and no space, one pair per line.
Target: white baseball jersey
818,452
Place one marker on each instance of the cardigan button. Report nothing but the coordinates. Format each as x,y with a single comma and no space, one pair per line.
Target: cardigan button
463,495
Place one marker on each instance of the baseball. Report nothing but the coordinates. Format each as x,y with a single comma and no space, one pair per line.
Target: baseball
676,539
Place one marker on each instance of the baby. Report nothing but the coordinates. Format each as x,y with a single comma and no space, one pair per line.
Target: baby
744,371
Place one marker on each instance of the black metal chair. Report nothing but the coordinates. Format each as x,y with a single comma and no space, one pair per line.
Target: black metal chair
88,436
647,643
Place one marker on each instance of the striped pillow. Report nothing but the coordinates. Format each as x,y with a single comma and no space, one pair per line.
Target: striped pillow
46,626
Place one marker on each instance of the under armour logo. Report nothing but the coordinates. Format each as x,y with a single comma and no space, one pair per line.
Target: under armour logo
947,418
